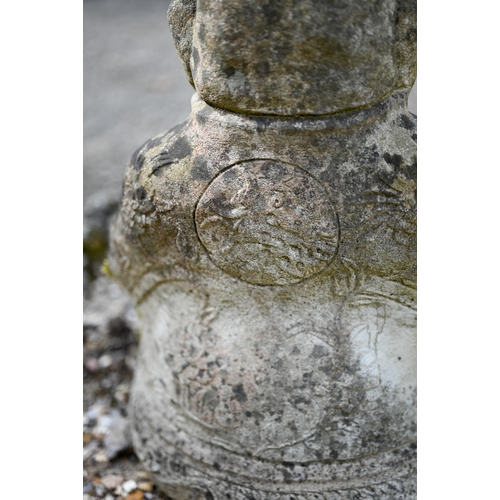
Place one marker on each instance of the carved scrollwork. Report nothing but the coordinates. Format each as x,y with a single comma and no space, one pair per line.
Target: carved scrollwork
267,223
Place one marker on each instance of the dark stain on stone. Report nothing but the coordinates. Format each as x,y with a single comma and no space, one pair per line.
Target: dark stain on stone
137,160
287,476
325,176
176,464
406,122
202,31
263,124
412,169
326,369
138,157
278,364
200,170
319,351
263,69
414,137
229,71
283,50
157,170
209,496
195,57
239,393
371,153
139,194
152,143
395,159
314,163
272,12
211,399
179,150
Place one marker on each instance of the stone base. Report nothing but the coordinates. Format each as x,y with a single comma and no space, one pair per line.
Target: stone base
187,468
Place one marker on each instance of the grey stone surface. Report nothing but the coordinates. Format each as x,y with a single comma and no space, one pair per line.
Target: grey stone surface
272,259
253,57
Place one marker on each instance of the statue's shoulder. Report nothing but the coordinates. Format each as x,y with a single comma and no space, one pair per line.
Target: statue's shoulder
159,171
153,227
162,151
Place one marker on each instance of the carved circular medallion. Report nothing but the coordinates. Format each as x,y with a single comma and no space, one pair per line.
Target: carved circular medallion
267,223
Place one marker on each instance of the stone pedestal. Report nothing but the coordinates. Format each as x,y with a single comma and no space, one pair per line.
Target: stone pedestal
270,249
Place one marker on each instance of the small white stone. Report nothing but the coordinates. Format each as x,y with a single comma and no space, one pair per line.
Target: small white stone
105,361
145,485
109,497
91,364
94,411
99,490
101,457
89,450
129,486
111,481
106,383
103,425
121,393
118,437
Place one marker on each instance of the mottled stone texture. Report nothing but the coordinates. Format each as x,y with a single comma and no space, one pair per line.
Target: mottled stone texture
295,57
272,258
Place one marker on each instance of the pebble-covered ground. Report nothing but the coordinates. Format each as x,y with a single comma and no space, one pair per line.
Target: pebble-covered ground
111,470
134,88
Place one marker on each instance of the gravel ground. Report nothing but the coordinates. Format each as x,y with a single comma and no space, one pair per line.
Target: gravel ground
110,468
110,336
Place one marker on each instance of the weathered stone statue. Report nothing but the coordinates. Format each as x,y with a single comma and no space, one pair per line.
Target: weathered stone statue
270,245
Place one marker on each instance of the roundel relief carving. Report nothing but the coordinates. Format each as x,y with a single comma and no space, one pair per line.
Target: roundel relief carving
267,223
